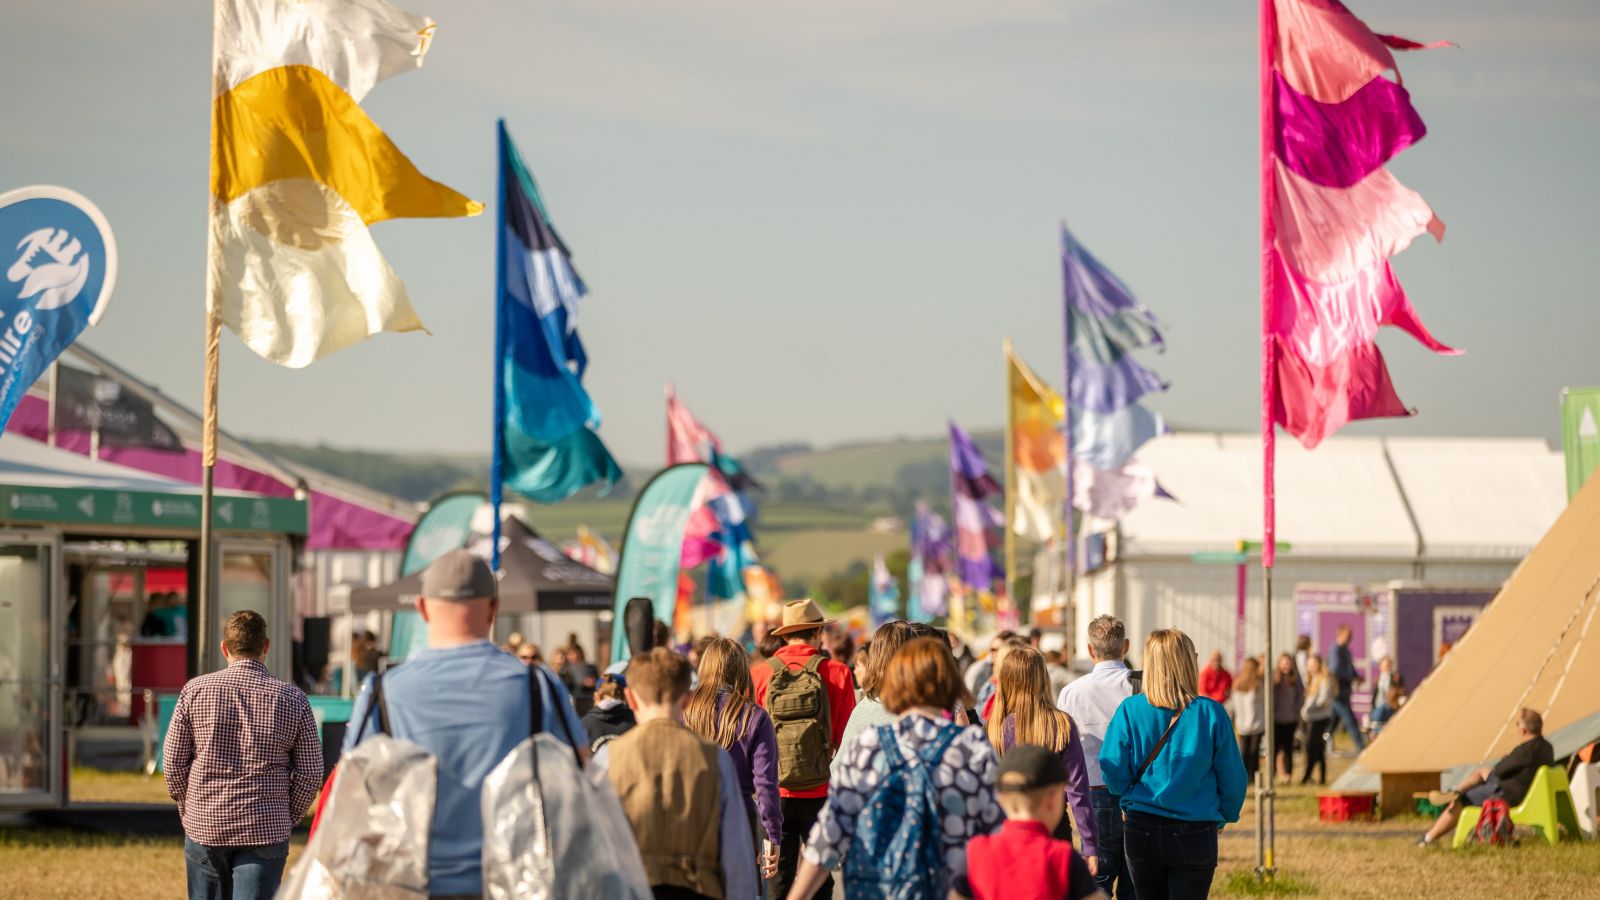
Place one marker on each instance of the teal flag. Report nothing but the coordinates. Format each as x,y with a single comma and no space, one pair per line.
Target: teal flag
444,527
652,547
1580,435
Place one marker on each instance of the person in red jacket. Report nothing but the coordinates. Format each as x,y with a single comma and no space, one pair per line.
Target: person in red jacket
1215,682
801,632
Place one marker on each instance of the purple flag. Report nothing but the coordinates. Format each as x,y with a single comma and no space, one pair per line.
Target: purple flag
977,524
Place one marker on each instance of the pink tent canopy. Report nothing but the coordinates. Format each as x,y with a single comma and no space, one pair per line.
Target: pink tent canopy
336,523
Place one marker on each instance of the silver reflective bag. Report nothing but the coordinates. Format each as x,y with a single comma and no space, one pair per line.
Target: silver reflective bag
372,840
552,831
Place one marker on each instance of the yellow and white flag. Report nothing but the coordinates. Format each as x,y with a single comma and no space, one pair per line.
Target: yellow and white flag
1039,453
298,172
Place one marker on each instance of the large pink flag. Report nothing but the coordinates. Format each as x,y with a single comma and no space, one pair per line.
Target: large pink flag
1334,217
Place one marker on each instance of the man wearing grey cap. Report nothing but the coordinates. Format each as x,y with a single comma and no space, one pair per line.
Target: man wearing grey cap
468,703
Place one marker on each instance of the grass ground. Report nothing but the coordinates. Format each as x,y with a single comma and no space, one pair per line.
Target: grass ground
1353,860
96,786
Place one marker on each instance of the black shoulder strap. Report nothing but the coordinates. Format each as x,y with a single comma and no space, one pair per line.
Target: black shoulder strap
377,705
536,713
1156,750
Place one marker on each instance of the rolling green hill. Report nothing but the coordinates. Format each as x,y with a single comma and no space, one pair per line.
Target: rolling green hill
816,512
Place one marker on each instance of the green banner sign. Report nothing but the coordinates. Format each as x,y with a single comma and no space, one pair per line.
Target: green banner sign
1580,434
653,546
142,509
444,527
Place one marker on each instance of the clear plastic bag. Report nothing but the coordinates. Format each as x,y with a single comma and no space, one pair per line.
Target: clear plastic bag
542,815
372,841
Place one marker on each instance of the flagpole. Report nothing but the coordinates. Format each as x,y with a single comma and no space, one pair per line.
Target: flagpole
1069,577
497,463
208,411
1266,793
1010,476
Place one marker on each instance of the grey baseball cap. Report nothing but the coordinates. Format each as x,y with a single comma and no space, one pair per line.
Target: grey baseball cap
459,575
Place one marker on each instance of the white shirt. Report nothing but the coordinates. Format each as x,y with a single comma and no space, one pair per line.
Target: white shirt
1091,701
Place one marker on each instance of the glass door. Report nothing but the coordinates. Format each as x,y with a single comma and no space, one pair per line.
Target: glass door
254,574
30,671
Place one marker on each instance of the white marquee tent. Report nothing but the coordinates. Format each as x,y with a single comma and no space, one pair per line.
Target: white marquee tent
1457,512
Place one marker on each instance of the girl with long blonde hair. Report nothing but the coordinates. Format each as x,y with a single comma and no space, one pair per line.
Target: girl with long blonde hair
1171,756
723,710
1024,714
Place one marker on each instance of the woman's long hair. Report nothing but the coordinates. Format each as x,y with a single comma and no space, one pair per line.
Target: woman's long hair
724,666
1289,678
1171,669
1315,680
885,643
1249,675
1023,695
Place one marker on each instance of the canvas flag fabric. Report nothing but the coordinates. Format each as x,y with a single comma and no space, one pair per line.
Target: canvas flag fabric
929,566
884,594
548,438
977,523
299,173
1106,325
720,527
1339,216
1037,414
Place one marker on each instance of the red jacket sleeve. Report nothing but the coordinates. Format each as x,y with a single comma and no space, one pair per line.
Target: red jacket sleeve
841,698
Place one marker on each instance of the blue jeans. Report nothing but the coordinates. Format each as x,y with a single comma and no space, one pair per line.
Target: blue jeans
234,873
1170,859
1347,718
1108,825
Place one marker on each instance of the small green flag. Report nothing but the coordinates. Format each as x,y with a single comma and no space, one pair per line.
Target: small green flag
1580,434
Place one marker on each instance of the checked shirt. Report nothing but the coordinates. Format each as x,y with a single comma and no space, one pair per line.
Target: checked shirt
242,757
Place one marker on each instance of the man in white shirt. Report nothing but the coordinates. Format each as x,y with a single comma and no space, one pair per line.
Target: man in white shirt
1091,701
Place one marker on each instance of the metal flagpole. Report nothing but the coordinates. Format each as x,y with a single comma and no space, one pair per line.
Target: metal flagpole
1070,531
1266,792
497,465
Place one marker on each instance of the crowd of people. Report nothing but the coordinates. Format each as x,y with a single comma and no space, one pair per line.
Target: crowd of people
901,766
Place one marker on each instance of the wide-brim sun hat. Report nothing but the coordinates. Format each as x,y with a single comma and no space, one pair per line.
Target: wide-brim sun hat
801,615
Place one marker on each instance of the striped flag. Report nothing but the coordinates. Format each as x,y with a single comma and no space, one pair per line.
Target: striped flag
299,172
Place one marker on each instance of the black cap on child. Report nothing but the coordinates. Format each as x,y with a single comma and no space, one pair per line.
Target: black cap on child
1027,767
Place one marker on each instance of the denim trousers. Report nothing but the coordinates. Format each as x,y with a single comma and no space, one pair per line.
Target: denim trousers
234,873
1170,859
1113,875
1347,718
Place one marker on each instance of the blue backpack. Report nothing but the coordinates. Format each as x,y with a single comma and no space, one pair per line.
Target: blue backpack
896,852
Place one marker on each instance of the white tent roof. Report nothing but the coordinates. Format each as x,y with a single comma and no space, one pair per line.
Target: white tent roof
30,463
1366,497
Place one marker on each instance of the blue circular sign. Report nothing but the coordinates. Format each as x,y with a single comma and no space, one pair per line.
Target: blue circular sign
58,263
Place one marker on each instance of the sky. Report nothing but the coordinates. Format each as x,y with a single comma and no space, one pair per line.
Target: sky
821,218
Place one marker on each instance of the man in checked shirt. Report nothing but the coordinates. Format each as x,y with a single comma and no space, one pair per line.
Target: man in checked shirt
244,762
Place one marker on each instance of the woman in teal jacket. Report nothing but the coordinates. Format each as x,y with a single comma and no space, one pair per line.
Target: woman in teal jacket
1171,756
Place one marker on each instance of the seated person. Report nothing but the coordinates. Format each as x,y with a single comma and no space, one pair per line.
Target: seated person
1509,779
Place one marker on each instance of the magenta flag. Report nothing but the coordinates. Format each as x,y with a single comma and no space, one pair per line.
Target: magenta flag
1333,218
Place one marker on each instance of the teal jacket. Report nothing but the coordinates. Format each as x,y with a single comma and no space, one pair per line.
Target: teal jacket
1198,776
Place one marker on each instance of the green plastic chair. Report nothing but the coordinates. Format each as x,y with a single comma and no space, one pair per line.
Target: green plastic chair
1547,809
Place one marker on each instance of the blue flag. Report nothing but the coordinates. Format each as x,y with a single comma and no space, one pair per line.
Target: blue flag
547,448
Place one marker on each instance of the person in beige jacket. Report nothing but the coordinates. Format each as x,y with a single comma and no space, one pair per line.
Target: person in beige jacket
679,791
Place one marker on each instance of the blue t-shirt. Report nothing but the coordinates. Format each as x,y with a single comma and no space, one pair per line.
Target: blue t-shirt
1198,776
468,706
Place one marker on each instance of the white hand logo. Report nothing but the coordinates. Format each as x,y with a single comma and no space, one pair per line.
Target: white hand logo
59,281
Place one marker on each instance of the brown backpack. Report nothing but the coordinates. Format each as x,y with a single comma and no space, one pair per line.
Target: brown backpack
797,700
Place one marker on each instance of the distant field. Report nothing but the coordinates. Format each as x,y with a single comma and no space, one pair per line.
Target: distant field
861,466
815,554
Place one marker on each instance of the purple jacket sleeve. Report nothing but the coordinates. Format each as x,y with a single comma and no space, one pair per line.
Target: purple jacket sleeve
1078,793
763,755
